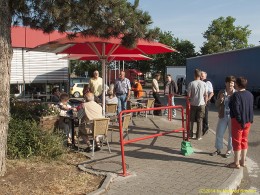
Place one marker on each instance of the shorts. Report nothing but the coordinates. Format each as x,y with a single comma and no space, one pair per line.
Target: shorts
239,135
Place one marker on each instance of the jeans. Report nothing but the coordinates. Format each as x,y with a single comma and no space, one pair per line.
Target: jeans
222,125
173,110
121,103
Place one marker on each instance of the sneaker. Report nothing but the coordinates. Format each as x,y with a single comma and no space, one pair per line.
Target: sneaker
217,152
194,137
228,154
200,138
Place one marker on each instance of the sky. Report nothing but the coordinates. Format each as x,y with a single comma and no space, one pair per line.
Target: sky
189,19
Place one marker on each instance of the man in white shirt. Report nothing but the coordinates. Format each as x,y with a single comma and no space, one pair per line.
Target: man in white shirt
210,93
155,88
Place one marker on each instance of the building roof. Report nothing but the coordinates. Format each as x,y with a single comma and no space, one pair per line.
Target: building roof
25,37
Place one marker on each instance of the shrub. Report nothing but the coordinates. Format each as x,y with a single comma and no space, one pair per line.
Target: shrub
26,139
31,110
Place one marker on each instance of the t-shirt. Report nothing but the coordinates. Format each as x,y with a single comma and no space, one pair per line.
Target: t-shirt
95,86
137,88
155,86
197,89
113,100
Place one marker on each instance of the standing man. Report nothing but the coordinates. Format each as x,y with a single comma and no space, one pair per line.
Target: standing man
95,85
170,88
122,91
210,95
197,92
155,88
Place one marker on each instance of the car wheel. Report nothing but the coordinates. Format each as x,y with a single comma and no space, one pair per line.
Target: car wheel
76,94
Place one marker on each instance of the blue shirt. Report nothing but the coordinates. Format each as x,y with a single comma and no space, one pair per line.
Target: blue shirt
241,107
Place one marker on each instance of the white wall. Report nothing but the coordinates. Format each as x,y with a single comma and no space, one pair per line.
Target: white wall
39,67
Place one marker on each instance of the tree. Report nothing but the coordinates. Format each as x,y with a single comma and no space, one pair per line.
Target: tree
222,35
185,50
90,17
184,47
79,67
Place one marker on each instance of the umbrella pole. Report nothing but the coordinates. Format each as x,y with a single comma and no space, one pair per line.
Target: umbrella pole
103,85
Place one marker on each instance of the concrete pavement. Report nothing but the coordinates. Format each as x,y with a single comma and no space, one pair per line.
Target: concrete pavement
156,165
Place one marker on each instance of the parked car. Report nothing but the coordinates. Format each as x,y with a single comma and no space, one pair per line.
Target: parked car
74,80
77,89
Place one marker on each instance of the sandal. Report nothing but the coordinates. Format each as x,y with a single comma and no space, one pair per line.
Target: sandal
98,145
242,164
89,145
233,166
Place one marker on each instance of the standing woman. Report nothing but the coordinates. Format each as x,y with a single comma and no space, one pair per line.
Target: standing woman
224,120
241,113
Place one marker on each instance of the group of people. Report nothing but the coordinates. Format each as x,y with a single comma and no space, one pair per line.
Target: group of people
170,90
118,93
235,112
234,103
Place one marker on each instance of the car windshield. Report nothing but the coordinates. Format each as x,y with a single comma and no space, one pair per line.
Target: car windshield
78,80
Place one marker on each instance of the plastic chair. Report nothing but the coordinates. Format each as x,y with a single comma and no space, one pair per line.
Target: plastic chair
111,112
149,104
97,127
126,121
100,127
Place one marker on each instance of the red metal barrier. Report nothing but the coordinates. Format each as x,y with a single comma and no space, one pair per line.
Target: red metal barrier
123,142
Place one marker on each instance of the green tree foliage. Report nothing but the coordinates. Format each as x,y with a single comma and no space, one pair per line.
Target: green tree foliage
185,50
79,67
90,17
222,35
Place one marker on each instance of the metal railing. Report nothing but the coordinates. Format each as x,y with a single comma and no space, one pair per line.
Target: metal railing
124,142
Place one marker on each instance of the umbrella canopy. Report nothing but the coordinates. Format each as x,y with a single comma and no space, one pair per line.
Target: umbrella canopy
102,48
126,57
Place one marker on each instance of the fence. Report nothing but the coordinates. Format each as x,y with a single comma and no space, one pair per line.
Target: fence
124,142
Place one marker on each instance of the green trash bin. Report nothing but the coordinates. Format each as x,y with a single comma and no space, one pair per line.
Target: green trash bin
186,148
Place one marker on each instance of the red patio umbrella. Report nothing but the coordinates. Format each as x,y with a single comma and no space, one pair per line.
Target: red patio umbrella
126,57
102,48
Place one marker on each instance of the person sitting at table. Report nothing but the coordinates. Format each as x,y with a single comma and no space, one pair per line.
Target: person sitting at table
65,113
111,98
138,89
86,89
92,110
55,95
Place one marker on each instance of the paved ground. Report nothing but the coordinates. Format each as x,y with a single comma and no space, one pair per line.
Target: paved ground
157,167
